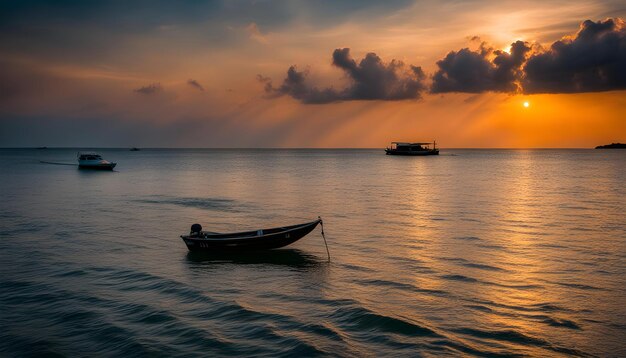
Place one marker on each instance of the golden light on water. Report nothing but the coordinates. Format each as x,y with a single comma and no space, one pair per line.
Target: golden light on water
526,104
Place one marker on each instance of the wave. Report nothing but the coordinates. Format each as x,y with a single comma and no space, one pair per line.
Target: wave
459,278
362,319
216,204
516,337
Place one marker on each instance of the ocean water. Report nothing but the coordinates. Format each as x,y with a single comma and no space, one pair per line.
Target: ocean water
474,252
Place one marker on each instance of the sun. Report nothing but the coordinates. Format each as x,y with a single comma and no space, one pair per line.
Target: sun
526,104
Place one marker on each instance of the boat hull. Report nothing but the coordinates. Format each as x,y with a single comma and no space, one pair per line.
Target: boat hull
412,153
109,166
250,240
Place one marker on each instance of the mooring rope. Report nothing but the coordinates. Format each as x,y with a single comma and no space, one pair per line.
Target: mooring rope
324,236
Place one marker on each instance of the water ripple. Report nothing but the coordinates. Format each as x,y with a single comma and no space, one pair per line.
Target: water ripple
517,337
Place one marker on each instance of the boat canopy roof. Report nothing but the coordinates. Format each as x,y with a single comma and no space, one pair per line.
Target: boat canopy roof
88,153
407,143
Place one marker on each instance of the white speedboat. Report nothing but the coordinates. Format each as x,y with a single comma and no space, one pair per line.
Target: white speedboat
93,161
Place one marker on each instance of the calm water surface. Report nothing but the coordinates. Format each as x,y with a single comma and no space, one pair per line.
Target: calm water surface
475,252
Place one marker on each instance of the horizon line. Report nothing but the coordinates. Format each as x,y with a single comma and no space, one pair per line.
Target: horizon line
284,148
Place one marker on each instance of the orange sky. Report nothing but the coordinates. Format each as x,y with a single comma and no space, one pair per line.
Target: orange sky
70,77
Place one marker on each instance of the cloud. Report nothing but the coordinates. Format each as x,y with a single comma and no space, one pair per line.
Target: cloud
195,84
591,61
150,89
594,59
296,86
481,71
370,79
255,33
373,79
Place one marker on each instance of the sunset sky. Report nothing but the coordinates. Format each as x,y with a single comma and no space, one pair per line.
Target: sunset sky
312,74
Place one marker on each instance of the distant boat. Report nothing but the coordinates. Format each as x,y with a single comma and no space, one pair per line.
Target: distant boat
93,161
404,148
612,146
265,239
134,149
42,147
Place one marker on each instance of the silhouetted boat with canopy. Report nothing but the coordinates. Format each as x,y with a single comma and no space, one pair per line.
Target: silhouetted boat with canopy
264,239
404,148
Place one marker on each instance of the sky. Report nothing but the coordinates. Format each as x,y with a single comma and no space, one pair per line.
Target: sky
291,73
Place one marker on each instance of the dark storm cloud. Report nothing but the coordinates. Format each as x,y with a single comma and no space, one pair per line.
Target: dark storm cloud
296,86
195,84
370,79
373,79
594,60
150,89
481,71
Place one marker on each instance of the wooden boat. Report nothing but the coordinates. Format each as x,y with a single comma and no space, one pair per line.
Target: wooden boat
414,149
264,239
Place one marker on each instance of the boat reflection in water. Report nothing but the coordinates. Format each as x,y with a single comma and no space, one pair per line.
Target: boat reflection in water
282,257
414,149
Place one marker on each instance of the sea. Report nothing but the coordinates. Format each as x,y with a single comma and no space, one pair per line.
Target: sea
470,253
